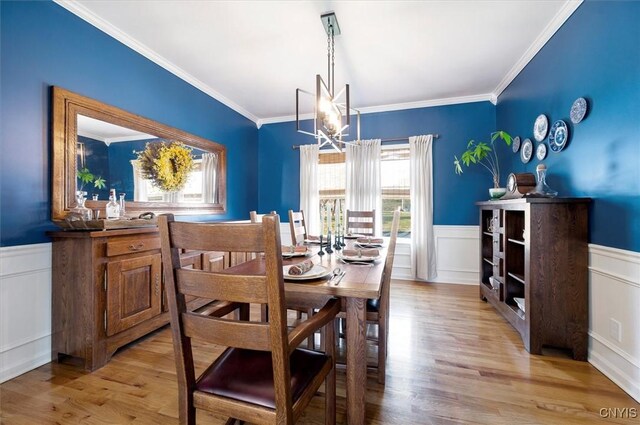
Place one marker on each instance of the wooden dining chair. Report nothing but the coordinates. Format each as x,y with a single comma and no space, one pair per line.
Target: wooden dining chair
298,227
378,310
257,218
261,378
361,222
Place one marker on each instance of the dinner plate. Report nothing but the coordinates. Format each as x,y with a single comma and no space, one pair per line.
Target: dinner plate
527,151
368,245
353,236
308,253
316,272
313,241
516,144
558,136
357,258
540,127
578,110
541,151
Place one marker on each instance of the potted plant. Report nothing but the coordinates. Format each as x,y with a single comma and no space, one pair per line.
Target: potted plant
484,154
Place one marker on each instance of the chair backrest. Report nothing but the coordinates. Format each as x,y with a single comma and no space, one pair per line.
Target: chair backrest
388,265
267,288
361,222
257,218
298,227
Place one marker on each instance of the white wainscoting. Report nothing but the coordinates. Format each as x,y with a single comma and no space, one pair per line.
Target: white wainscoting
25,308
457,252
614,296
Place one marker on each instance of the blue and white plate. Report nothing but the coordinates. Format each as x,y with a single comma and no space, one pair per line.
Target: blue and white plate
516,144
558,136
527,151
541,151
540,127
578,110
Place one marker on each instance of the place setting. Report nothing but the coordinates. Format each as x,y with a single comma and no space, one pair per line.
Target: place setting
308,271
369,242
359,256
289,251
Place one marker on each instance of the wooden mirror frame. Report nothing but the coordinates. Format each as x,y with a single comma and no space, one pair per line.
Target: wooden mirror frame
66,108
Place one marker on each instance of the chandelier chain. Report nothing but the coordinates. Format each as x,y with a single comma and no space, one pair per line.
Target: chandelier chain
333,51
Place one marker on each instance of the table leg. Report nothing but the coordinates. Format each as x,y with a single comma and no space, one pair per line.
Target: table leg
356,360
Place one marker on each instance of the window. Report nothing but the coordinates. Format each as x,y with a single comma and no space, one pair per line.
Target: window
394,169
191,192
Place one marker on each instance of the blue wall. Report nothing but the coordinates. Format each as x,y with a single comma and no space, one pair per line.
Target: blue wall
42,45
596,54
454,196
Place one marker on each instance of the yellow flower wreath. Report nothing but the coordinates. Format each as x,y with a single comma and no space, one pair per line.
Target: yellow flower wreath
166,165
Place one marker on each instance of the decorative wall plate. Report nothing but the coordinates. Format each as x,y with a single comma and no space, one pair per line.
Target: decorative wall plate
540,127
527,151
516,144
558,136
541,151
578,110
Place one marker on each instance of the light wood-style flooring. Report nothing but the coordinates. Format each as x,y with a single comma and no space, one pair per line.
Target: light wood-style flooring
452,360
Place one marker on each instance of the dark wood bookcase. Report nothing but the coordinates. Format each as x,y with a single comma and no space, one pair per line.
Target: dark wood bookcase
535,250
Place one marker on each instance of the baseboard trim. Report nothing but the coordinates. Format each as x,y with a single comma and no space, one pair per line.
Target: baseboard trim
21,359
611,363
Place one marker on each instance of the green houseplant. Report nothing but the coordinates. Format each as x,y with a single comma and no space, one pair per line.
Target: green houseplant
85,176
484,154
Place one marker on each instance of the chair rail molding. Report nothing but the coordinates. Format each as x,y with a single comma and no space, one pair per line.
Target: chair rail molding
25,308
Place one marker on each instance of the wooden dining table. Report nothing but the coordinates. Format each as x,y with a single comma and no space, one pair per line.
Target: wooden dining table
360,282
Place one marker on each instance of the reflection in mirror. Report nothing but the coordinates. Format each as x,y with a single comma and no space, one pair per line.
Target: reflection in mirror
101,143
111,152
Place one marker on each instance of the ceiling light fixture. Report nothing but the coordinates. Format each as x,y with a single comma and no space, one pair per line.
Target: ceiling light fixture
332,111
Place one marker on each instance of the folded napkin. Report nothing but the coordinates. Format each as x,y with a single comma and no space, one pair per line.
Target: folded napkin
360,252
370,240
292,249
313,238
301,268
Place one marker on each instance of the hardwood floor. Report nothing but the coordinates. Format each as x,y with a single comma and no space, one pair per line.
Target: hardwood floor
452,360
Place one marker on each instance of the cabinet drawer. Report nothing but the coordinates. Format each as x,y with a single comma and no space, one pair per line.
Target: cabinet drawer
132,244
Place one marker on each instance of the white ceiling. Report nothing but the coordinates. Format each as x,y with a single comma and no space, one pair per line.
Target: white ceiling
107,132
252,55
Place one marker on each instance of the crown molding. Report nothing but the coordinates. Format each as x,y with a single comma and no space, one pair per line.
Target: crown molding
558,20
394,107
106,27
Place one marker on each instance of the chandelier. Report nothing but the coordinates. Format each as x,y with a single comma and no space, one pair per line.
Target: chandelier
332,111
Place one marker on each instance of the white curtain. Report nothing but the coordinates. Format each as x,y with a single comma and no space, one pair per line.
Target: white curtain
364,188
309,192
139,183
209,177
423,255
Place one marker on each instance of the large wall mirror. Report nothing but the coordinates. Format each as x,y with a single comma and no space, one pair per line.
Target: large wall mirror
105,141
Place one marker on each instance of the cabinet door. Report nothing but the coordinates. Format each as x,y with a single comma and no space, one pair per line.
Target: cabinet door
133,291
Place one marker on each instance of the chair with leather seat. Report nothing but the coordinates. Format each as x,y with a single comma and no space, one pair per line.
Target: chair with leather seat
361,222
378,309
261,378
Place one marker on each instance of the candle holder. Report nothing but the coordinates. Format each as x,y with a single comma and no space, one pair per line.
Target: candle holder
321,252
336,245
328,248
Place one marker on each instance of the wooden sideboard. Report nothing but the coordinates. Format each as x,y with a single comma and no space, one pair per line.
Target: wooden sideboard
108,290
535,251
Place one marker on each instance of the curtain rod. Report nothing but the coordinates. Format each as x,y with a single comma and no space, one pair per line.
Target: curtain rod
393,139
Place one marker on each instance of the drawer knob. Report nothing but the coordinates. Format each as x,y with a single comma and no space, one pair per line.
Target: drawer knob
136,247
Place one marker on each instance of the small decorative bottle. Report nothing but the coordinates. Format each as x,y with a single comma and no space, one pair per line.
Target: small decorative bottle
122,206
541,187
80,210
112,208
